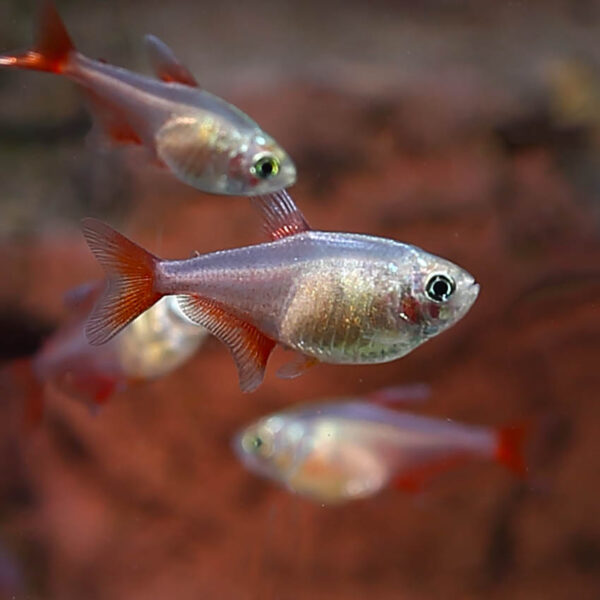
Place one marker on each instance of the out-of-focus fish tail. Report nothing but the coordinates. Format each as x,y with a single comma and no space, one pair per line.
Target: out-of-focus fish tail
130,274
28,387
510,447
52,46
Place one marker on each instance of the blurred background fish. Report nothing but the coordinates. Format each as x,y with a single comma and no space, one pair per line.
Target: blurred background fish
155,343
202,139
342,450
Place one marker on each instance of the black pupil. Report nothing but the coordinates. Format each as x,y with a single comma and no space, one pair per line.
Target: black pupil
440,288
265,168
257,442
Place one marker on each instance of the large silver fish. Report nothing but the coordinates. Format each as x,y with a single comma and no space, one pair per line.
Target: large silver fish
204,141
333,297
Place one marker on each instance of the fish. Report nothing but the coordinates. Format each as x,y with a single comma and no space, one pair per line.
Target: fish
203,140
153,345
338,298
337,451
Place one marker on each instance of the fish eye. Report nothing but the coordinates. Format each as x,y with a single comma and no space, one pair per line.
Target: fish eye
439,288
266,166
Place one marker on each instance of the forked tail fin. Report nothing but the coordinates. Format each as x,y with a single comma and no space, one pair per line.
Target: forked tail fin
130,272
52,46
510,448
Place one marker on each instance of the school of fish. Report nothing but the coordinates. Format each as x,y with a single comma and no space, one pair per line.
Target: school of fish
329,296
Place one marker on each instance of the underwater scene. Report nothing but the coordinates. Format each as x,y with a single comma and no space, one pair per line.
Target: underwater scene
299,300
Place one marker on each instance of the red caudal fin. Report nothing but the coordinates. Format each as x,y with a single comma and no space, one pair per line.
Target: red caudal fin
165,64
52,45
130,273
249,347
509,451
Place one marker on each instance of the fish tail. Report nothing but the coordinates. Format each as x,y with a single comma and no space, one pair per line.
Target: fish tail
52,47
131,275
30,389
511,440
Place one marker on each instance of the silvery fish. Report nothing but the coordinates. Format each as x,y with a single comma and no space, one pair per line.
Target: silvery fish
156,343
333,452
204,141
333,297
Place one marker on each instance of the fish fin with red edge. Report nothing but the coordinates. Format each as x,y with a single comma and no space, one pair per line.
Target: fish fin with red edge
403,395
130,274
93,388
109,124
31,389
165,64
249,347
282,217
415,479
510,447
52,47
297,366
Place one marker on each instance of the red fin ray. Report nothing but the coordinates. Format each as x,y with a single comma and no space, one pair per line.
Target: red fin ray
250,348
281,215
165,64
130,291
52,46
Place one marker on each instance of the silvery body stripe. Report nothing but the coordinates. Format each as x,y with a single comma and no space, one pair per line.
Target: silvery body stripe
256,282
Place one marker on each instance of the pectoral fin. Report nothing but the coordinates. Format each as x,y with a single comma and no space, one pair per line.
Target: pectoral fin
297,366
249,347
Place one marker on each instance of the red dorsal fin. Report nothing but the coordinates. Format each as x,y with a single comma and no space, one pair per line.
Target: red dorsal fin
250,348
165,64
509,450
282,216
130,274
52,44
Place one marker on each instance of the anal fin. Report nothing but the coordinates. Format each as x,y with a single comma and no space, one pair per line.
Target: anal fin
109,124
249,347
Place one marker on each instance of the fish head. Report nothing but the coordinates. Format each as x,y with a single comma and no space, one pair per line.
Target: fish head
261,166
269,446
441,292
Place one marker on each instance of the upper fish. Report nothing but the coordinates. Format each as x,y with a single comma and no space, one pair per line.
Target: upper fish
332,297
203,140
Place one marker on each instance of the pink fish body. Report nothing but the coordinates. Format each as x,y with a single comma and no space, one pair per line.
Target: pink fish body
204,141
335,452
333,297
